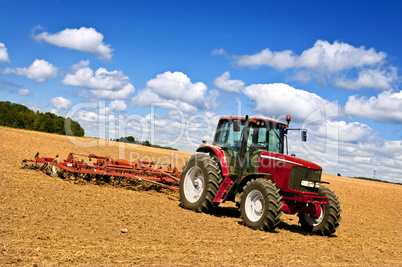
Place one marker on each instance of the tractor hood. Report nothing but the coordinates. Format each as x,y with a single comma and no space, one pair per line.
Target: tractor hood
288,161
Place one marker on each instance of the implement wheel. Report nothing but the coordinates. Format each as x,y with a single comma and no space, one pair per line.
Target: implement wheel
54,169
260,204
199,183
329,218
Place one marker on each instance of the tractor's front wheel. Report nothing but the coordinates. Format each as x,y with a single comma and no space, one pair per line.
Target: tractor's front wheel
260,205
199,183
328,220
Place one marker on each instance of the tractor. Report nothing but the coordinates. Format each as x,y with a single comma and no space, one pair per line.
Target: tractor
246,164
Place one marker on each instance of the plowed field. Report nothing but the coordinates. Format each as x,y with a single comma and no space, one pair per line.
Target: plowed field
50,221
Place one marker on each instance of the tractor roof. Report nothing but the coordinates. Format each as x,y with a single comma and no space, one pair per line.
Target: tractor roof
250,118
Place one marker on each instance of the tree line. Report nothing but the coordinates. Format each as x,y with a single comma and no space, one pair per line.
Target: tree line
376,180
131,140
19,116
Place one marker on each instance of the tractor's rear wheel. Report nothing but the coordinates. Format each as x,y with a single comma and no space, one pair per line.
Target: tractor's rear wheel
260,205
327,222
199,183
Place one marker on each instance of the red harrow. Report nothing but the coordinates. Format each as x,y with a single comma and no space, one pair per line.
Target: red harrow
106,167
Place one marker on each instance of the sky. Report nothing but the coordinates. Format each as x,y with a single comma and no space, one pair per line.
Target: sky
165,71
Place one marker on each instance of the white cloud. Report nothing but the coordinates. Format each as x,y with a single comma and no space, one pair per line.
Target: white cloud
302,76
82,76
118,105
3,53
338,56
280,99
177,86
84,39
379,79
102,84
39,71
147,97
352,149
60,103
223,82
333,57
386,107
279,60
329,61
219,52
23,91
177,89
346,132
99,119
121,93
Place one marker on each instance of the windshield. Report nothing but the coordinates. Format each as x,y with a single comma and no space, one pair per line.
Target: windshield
263,135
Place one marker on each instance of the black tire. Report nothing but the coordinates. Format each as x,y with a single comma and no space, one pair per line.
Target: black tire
330,216
260,205
199,183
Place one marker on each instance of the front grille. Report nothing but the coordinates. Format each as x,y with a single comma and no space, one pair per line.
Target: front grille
299,173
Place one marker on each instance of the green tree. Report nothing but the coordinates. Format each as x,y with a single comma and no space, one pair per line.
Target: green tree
146,143
19,116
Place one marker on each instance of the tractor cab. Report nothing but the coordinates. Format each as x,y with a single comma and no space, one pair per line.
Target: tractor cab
244,139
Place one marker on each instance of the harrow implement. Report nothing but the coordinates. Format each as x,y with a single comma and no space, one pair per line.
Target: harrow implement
106,167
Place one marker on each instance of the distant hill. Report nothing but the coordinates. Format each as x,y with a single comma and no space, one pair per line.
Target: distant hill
19,116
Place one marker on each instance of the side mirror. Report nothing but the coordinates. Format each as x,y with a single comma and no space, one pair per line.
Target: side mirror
304,135
236,125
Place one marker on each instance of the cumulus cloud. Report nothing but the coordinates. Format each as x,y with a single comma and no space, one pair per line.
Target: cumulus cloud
280,99
3,53
333,57
39,71
147,97
176,85
346,132
60,102
386,107
351,148
338,56
102,83
118,105
223,82
374,78
23,91
279,60
329,61
84,39
176,88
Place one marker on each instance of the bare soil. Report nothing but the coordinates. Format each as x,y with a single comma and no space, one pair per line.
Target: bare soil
50,221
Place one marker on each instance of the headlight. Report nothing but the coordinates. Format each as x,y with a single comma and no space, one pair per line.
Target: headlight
310,184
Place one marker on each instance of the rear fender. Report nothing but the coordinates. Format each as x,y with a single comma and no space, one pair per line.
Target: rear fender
213,150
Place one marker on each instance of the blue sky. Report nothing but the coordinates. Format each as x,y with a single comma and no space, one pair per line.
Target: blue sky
166,70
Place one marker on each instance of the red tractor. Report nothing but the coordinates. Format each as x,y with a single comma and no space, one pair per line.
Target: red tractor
246,164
